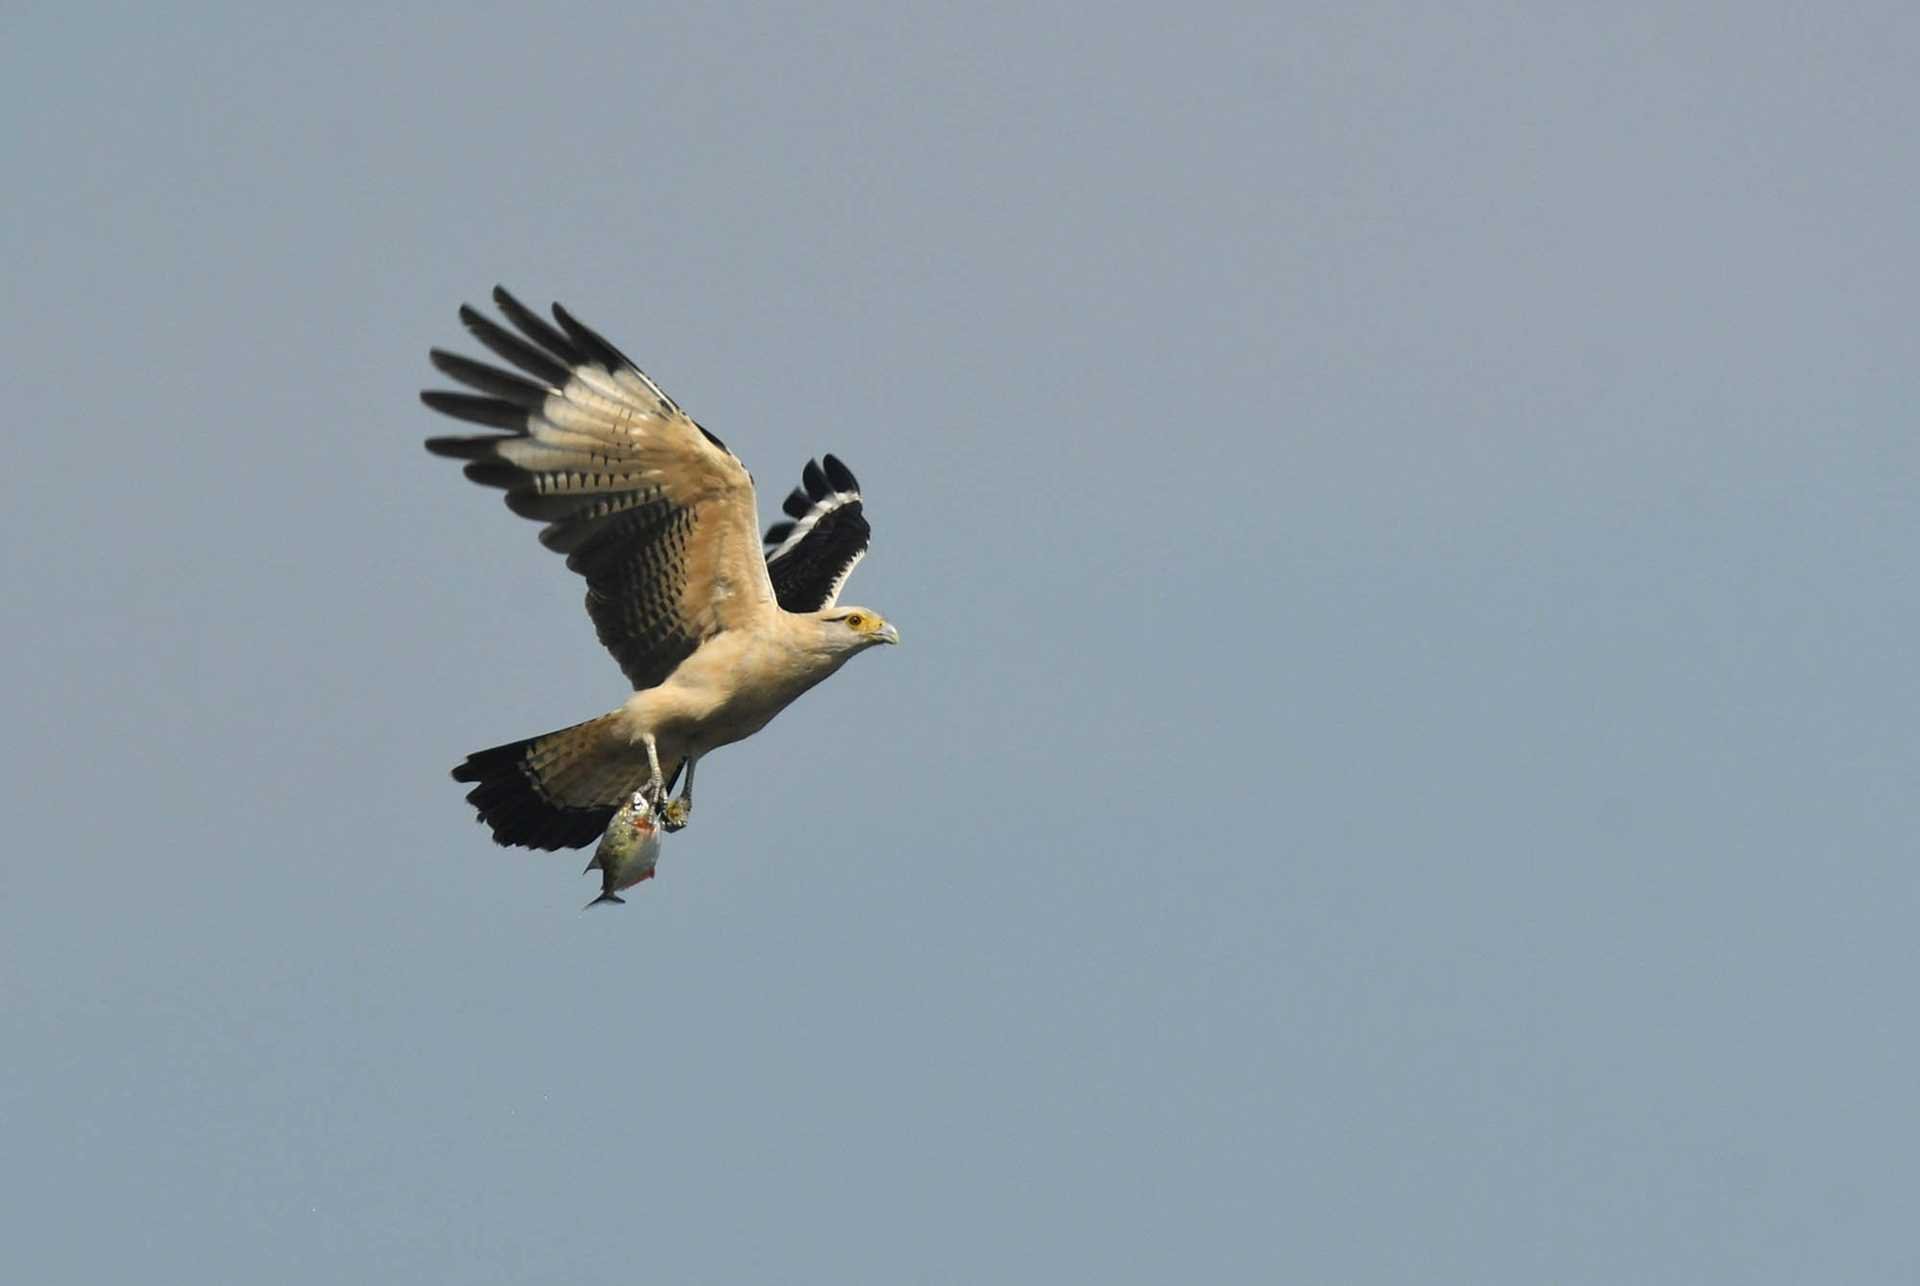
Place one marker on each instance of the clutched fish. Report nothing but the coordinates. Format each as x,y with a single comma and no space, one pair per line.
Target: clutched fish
629,850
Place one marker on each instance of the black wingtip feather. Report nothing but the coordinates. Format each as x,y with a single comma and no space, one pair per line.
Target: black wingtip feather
528,503
590,340
816,481
796,504
475,409
489,379
839,475
530,324
494,473
778,532
477,448
510,347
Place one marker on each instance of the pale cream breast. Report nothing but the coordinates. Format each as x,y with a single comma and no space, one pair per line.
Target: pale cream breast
731,687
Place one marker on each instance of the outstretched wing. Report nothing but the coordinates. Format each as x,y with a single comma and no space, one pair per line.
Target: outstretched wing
652,509
811,555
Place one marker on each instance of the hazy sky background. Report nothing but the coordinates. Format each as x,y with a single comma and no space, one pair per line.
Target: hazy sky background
1403,763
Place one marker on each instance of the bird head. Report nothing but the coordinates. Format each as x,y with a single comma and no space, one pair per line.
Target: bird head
857,628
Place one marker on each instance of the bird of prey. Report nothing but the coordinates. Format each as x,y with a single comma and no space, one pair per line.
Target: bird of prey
715,635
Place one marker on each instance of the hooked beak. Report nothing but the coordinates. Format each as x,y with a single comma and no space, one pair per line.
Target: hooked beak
889,634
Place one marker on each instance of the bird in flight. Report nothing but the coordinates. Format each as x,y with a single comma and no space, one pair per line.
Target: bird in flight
716,634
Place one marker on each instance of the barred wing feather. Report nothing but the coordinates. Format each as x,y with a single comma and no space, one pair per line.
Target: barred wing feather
649,507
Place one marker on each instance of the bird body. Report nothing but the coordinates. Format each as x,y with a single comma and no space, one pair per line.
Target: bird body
715,636
731,688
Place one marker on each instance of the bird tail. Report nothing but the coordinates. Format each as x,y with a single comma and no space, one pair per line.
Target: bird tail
557,790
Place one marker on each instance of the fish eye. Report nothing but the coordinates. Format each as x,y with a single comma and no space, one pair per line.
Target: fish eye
855,621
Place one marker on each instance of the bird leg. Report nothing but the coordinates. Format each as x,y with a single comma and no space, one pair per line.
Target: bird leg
676,813
656,787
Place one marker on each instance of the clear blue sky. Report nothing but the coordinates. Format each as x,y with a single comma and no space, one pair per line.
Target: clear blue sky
1403,764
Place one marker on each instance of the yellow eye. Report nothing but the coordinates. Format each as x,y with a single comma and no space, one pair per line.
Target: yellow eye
855,621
